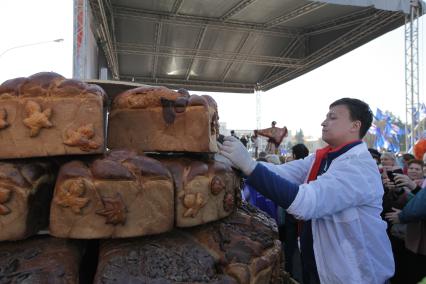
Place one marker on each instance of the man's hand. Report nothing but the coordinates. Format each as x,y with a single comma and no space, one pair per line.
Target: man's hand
403,180
237,153
387,182
393,217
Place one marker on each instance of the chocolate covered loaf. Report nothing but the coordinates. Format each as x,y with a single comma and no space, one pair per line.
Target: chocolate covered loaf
40,260
205,189
46,115
243,248
25,192
119,195
156,119
245,245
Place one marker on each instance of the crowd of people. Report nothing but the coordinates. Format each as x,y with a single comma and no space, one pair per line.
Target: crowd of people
345,214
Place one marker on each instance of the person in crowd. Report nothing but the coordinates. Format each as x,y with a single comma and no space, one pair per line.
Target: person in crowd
406,157
262,157
288,226
414,215
233,134
337,192
388,162
254,140
272,146
244,140
375,154
424,163
398,187
299,151
414,178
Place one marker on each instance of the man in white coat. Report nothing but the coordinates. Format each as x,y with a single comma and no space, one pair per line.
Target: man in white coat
337,193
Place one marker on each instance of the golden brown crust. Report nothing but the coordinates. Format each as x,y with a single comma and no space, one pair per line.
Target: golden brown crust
3,119
205,190
114,165
11,87
112,196
25,195
45,84
144,97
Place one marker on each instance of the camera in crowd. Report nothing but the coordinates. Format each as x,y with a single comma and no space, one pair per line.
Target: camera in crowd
391,174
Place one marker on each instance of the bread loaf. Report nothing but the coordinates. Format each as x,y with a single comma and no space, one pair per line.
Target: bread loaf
243,248
46,115
25,192
205,189
119,195
156,119
40,260
245,244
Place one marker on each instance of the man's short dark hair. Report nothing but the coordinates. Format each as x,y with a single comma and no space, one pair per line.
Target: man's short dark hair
418,162
262,154
374,153
299,151
408,157
358,110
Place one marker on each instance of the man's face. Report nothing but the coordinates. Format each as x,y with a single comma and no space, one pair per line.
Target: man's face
337,128
415,171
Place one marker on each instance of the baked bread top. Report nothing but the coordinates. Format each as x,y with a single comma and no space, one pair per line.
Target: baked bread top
48,84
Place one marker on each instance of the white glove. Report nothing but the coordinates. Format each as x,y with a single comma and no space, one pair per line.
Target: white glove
237,153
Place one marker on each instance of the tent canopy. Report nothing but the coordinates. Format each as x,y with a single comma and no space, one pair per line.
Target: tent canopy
233,45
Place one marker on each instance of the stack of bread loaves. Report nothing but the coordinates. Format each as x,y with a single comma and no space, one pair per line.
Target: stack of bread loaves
154,171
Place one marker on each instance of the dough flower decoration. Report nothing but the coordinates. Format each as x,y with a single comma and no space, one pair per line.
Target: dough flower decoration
70,195
82,137
217,185
37,119
114,210
193,202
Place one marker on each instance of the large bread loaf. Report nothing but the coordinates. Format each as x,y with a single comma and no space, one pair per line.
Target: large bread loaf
40,260
243,248
46,114
119,195
25,192
205,189
156,119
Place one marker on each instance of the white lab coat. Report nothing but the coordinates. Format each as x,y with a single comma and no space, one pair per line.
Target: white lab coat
349,237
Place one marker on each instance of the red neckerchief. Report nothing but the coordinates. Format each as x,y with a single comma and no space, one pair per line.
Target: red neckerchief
320,155
313,174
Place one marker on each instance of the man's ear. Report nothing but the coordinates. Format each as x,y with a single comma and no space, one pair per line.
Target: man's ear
356,125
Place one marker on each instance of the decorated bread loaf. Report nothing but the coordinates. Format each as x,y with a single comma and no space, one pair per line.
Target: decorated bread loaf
205,189
25,192
245,245
119,195
40,260
46,115
156,119
243,248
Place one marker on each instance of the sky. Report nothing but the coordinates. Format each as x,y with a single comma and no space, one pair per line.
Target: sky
373,72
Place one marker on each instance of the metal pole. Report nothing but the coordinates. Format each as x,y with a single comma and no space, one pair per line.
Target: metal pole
258,114
412,73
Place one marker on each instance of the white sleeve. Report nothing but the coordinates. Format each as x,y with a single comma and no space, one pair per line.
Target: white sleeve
294,171
348,183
